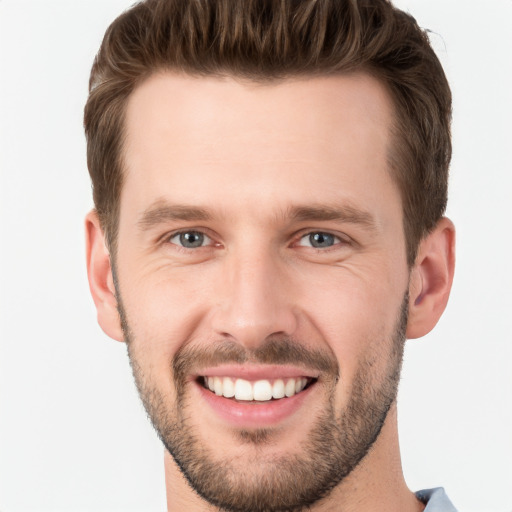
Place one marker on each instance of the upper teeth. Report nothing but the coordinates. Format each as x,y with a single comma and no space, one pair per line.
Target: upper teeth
260,390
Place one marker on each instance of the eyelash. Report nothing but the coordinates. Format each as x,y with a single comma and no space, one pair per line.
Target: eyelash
167,239
338,240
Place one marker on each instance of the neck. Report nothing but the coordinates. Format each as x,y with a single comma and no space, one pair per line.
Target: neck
376,484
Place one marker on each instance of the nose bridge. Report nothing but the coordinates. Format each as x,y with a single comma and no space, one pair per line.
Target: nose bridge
255,302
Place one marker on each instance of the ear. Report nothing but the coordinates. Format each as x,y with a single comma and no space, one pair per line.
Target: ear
431,279
101,282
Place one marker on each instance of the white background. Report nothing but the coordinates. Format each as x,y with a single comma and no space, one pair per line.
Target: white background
73,436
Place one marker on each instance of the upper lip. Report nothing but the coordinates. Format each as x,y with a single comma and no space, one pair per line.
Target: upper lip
257,372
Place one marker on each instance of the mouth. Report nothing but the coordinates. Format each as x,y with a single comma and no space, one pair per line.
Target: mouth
255,396
256,391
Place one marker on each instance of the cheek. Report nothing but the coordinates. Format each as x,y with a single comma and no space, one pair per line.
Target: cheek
356,318
163,312
351,304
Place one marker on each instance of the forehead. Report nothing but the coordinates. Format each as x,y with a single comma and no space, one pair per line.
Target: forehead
220,140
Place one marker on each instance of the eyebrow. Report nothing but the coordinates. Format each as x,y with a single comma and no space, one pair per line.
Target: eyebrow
345,213
161,212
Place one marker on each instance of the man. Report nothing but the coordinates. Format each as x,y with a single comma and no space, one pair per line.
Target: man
270,180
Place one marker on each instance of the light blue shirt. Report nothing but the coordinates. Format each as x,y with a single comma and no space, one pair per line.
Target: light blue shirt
436,500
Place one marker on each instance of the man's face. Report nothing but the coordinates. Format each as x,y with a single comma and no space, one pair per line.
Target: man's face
261,253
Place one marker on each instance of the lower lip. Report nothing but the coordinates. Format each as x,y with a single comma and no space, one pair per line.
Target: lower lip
254,414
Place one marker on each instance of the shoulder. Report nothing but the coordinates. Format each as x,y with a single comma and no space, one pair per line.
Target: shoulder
436,500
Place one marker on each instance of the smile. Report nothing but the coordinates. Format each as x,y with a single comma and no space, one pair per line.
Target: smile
255,396
255,391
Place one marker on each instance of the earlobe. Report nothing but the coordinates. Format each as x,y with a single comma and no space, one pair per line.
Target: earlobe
431,279
101,283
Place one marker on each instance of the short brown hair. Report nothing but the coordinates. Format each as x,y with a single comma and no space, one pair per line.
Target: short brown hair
268,40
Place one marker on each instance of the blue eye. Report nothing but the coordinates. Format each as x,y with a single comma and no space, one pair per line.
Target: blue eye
319,240
190,239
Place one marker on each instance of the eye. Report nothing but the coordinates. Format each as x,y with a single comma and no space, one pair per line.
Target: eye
319,240
190,239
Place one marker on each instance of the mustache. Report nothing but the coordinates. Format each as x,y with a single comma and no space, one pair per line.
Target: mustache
276,350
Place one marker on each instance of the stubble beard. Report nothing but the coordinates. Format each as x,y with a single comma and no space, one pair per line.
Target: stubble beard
335,445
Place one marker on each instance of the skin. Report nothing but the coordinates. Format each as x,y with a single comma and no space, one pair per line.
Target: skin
248,155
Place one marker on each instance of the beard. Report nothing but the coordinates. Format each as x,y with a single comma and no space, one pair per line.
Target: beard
265,482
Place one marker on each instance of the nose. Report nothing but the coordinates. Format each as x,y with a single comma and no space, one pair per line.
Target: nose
255,300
